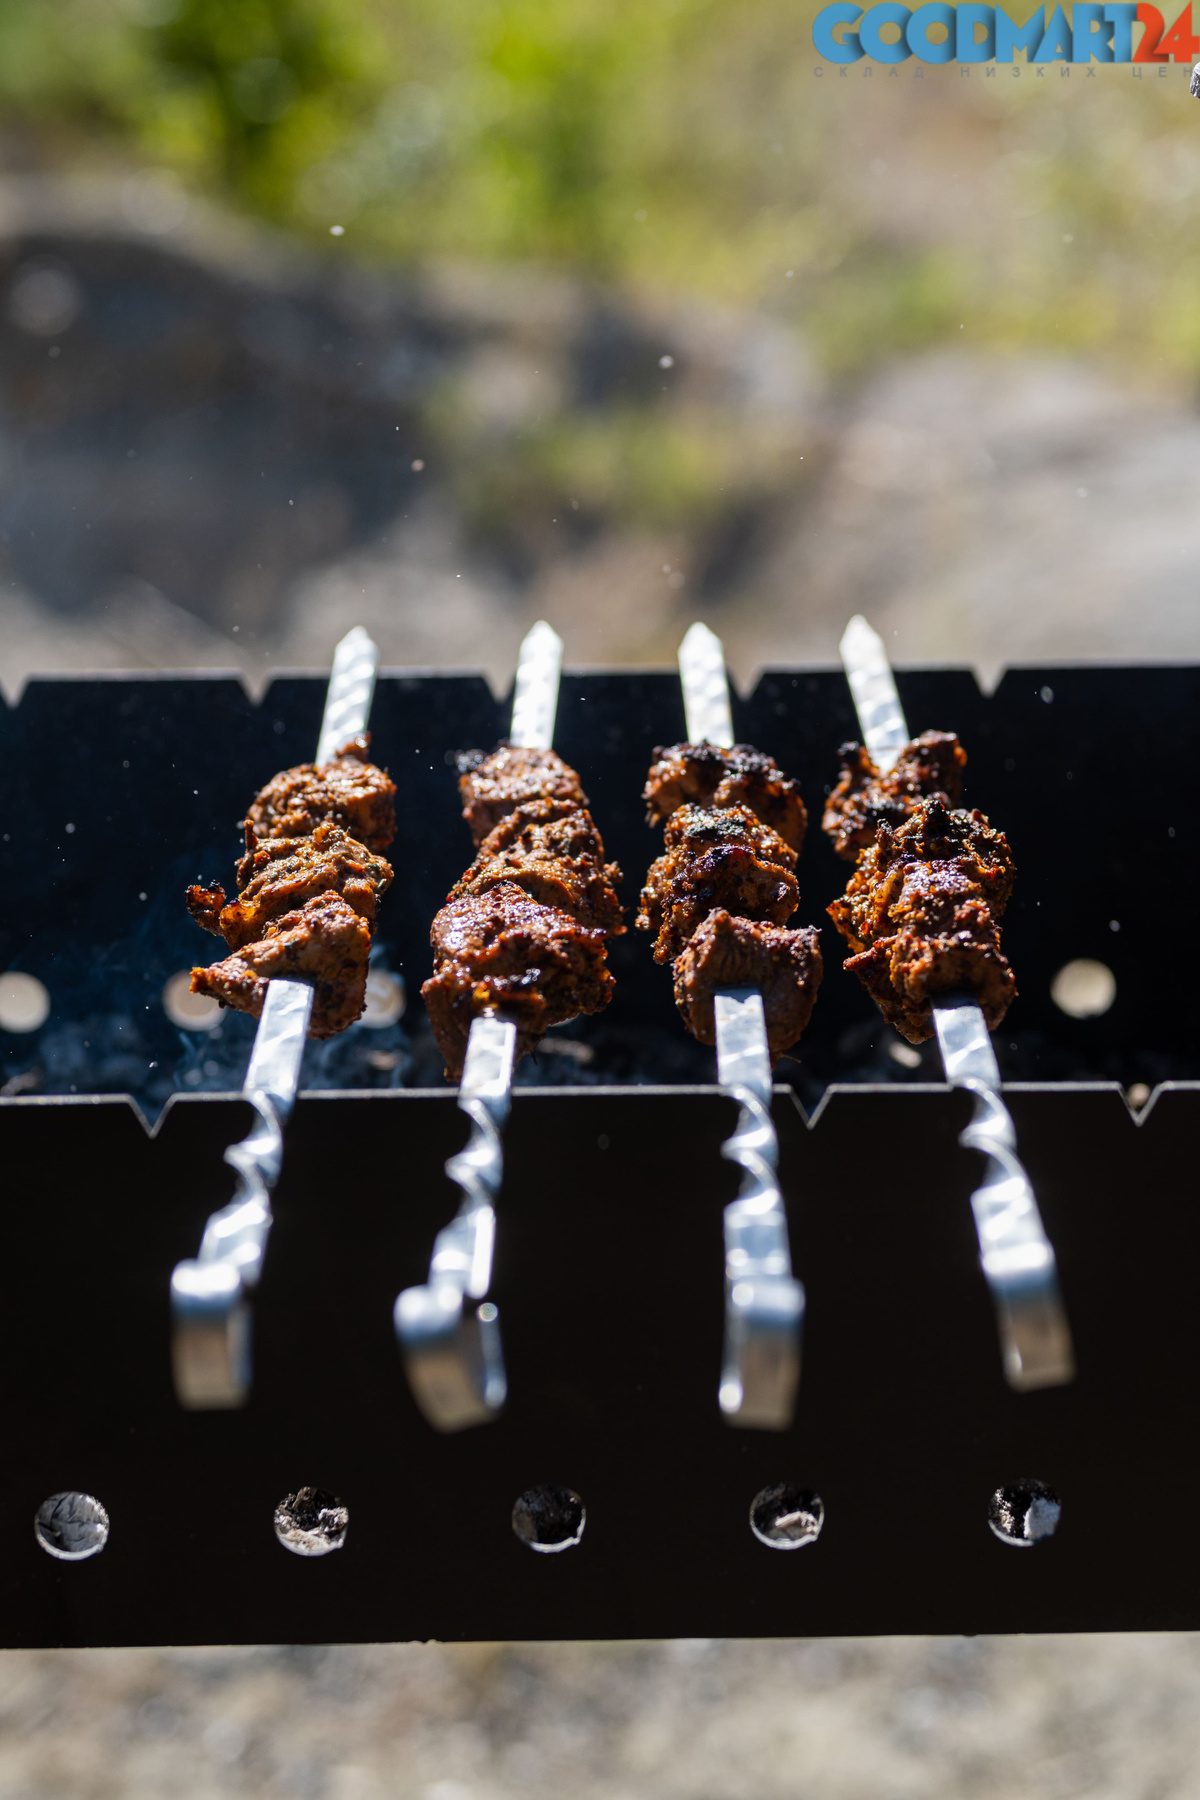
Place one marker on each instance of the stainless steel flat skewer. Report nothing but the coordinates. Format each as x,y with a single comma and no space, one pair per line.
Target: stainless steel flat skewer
1016,1255
452,1350
764,1303
210,1294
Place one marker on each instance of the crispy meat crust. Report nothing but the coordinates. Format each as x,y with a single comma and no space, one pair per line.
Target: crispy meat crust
502,951
309,890
494,786
349,791
722,857
706,775
324,941
929,767
724,952
922,913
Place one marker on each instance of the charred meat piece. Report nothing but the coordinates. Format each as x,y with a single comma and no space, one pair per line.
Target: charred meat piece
324,941
309,890
929,767
922,912
280,874
575,885
546,828
706,775
494,786
726,952
715,858
349,791
501,951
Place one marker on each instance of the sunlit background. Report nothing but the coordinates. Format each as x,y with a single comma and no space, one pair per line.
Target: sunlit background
444,315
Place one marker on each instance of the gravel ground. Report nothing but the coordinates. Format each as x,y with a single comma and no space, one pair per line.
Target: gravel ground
884,1719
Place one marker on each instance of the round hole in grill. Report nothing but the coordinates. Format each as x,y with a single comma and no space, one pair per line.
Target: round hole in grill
1024,1513
549,1518
1084,989
311,1522
71,1526
385,999
24,1002
784,1517
191,1012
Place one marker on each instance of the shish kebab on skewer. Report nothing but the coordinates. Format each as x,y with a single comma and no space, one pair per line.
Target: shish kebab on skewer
717,901
520,945
921,912
299,933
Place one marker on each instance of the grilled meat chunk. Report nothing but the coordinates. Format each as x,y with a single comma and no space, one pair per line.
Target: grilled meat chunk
546,828
929,767
494,786
324,941
309,889
715,857
280,874
502,951
349,791
727,952
573,884
922,910
706,775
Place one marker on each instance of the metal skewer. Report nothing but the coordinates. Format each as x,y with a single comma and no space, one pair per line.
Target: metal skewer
1016,1256
210,1307
453,1354
764,1303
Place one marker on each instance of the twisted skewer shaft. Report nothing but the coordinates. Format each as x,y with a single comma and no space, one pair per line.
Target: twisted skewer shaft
210,1344
764,1304
1016,1255
453,1355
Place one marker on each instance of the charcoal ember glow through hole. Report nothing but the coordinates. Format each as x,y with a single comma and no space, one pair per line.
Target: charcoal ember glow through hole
1024,1513
549,1519
190,1012
784,1517
71,1526
24,1002
385,999
311,1522
1084,989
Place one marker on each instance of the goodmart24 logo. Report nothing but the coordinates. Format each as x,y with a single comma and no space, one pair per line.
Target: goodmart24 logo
939,32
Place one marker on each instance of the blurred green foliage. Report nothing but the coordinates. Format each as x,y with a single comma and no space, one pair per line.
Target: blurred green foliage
669,146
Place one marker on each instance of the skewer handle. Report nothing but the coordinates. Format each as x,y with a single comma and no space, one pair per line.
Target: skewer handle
705,683
764,1303
535,694
452,1353
210,1348
873,686
349,694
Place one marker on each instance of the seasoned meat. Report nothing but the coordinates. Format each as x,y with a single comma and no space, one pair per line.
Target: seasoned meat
929,767
282,873
546,828
349,791
727,952
715,858
503,952
324,941
493,786
303,880
573,884
922,912
706,775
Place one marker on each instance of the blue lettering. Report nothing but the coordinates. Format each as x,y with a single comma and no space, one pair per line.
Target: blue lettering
1010,37
969,46
934,12
888,12
1091,33
843,49
1057,44
1121,19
